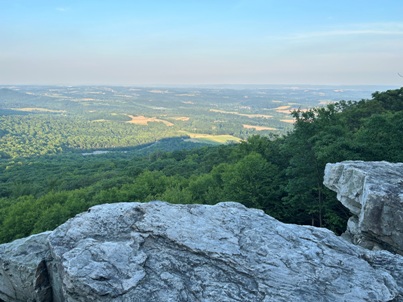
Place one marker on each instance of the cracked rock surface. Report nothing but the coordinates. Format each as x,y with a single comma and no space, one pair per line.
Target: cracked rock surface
373,192
23,270
162,252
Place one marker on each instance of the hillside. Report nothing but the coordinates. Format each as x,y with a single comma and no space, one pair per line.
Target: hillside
281,176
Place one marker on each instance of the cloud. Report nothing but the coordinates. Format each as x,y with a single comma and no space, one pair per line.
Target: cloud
370,29
347,33
62,9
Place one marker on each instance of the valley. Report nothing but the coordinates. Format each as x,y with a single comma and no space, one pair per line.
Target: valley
65,149
39,120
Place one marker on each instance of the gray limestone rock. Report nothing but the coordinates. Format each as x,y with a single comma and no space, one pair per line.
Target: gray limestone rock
23,271
373,192
162,252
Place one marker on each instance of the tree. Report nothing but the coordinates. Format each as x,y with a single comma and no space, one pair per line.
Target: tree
309,147
250,181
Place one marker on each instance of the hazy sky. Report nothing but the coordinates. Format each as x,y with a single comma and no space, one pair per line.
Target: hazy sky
136,42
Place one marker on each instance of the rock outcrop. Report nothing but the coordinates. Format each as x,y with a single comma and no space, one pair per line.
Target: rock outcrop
373,192
162,252
23,270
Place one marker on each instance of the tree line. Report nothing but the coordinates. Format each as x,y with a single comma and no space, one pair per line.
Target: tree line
282,176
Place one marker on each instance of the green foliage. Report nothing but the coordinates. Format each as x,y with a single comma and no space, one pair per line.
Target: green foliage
249,181
391,100
381,136
41,134
18,218
281,175
364,130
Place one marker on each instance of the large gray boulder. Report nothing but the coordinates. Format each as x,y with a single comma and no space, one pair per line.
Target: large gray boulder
373,192
162,252
23,270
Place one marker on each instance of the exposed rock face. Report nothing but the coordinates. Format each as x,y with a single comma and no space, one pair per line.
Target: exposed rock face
373,192
23,271
162,252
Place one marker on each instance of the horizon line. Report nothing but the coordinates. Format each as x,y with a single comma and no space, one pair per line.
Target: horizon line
199,84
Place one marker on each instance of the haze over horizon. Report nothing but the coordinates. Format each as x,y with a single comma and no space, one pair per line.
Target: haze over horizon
201,42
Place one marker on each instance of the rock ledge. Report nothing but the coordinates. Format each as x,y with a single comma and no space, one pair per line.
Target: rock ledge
162,252
373,192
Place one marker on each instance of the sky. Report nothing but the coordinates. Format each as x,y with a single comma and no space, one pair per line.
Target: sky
176,42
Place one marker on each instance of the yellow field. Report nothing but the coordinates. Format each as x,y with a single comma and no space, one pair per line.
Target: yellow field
283,109
142,120
181,118
290,121
220,139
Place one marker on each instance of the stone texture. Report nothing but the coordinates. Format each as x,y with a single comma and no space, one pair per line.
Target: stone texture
162,252
373,192
23,271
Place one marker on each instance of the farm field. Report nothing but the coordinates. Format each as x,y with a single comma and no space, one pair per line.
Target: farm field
43,120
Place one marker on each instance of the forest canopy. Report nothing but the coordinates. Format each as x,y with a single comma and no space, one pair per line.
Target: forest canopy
281,175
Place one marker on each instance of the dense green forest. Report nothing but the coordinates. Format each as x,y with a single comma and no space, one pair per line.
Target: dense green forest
280,174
